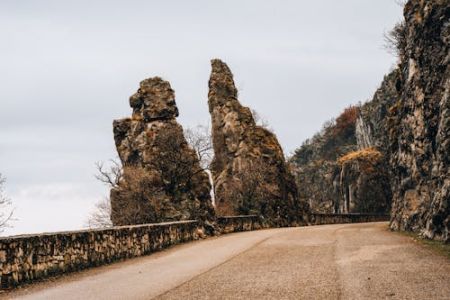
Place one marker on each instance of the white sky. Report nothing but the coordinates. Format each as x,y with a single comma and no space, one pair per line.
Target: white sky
67,69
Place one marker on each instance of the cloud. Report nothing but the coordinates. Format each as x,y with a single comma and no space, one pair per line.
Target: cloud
51,207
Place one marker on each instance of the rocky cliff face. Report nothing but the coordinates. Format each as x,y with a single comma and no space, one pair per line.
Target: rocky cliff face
318,183
364,182
408,123
315,163
372,123
249,169
162,178
419,132
343,168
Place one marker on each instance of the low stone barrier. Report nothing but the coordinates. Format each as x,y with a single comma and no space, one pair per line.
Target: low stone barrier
228,224
29,257
321,219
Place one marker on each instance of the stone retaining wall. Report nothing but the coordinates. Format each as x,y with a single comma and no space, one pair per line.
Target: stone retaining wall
228,224
321,219
30,257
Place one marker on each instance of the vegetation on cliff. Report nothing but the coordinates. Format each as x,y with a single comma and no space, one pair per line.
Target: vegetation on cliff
397,149
357,129
368,157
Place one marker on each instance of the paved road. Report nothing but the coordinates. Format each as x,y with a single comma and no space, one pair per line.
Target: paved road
349,261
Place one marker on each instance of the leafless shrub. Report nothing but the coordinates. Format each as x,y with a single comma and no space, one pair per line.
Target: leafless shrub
6,212
135,192
110,176
139,199
147,194
199,138
401,3
395,40
175,163
100,217
261,121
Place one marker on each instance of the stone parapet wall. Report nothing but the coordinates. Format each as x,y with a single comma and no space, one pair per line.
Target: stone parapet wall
30,257
321,219
228,224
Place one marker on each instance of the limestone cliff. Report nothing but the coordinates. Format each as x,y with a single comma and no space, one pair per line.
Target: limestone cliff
364,182
336,171
419,129
408,123
249,169
318,183
162,178
372,123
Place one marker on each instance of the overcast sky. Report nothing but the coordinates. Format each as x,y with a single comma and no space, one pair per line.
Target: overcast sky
67,69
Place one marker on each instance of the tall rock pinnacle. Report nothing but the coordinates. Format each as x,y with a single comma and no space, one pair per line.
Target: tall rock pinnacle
249,169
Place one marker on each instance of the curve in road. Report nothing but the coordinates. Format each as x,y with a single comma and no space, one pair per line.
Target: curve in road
348,261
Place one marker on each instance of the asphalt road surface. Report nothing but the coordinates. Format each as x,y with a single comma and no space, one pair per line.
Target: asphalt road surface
348,261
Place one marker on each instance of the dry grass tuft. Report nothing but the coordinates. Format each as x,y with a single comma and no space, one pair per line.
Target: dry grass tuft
370,155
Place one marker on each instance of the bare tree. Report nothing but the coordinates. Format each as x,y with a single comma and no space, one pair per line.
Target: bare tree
155,190
199,138
130,182
139,198
395,40
6,212
100,217
401,3
175,163
110,176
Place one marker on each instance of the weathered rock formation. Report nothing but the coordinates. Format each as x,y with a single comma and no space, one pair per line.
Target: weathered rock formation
372,123
336,171
316,168
364,182
408,122
249,169
162,178
420,122
319,184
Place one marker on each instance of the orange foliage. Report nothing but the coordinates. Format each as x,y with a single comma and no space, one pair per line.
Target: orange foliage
346,120
368,154
367,158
